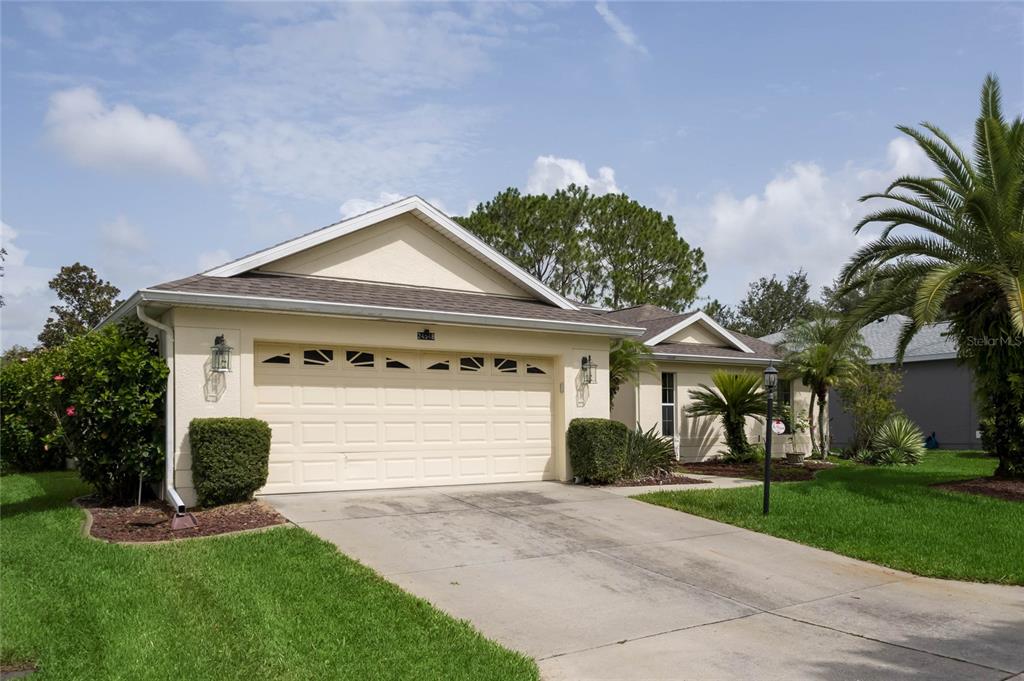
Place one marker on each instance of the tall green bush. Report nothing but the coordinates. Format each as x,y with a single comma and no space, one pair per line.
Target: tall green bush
869,397
596,449
230,458
31,399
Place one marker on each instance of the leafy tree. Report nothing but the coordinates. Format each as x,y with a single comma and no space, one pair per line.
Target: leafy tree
770,305
869,397
627,358
822,352
734,397
540,233
606,249
721,313
961,259
643,256
86,299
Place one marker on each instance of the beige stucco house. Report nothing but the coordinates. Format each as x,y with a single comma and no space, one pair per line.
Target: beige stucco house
686,349
395,349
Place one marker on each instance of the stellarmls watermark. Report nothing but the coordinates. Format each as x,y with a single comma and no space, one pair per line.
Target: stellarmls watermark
993,341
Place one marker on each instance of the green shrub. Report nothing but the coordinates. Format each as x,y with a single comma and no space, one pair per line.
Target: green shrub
752,454
897,443
646,453
31,399
112,409
596,449
229,458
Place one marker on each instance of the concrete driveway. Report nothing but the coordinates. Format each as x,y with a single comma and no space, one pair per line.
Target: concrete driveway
597,586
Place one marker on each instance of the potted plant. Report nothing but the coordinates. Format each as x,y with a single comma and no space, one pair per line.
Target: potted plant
797,425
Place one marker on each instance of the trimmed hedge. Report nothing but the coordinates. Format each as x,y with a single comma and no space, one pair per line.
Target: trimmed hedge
229,458
596,448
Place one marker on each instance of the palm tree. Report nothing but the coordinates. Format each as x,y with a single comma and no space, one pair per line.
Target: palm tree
734,397
821,352
626,359
962,260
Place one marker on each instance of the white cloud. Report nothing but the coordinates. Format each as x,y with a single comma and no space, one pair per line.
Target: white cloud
46,20
27,297
550,174
210,259
803,218
123,237
121,137
623,32
353,207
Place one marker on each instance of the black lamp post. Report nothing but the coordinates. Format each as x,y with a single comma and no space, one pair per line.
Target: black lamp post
771,379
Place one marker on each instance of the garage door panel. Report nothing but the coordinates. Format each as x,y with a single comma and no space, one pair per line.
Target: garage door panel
337,426
360,433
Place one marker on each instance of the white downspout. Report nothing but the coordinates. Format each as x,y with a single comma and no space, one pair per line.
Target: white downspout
167,336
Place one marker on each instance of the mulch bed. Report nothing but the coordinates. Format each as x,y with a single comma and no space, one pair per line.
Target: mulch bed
151,521
1000,488
781,471
673,479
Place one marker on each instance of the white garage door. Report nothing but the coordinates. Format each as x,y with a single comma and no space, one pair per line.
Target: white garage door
364,418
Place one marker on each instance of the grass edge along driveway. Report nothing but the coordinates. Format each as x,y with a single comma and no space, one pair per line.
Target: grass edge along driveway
888,516
276,604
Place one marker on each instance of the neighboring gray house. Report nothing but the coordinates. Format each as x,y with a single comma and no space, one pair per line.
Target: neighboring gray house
937,394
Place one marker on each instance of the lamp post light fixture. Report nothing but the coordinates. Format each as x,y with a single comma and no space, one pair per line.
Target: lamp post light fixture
589,369
220,356
771,380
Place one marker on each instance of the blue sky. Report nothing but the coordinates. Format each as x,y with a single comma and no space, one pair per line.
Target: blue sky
152,141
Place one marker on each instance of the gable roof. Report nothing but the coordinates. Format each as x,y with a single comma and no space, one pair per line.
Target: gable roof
427,213
265,291
882,338
660,324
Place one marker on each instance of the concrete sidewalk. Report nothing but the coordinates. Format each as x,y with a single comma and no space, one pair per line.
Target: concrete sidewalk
597,586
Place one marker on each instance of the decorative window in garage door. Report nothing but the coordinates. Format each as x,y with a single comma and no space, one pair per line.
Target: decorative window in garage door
506,365
472,364
536,368
315,359
359,358
277,358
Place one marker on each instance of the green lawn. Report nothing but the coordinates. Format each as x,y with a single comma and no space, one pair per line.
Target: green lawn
885,515
279,604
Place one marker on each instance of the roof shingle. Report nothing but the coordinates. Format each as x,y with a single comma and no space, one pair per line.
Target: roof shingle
294,287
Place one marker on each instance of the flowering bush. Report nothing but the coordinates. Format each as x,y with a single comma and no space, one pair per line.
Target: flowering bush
98,399
31,396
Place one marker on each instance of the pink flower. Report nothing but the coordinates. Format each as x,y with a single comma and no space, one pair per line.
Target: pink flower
70,411
59,377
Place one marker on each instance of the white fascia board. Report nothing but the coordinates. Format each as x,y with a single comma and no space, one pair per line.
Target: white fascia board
699,317
435,218
705,359
400,314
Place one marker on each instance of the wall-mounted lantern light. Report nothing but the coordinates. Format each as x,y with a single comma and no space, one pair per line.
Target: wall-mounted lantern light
220,356
589,369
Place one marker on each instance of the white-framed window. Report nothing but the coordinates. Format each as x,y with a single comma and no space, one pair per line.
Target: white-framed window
277,358
668,404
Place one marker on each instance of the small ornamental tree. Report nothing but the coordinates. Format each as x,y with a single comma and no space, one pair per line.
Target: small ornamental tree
734,397
113,391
